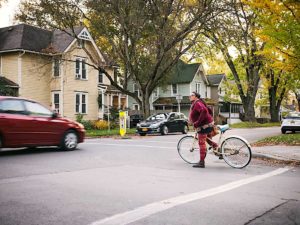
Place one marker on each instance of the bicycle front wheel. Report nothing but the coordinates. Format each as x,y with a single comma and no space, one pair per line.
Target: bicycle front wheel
236,152
188,149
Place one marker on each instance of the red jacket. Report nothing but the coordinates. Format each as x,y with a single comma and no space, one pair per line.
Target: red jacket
199,114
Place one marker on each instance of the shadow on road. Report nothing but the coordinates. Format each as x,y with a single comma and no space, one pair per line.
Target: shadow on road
29,150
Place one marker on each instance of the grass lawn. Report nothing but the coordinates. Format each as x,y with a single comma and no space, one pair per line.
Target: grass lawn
99,133
283,139
252,125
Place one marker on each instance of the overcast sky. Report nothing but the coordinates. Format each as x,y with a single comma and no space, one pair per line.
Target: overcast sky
7,12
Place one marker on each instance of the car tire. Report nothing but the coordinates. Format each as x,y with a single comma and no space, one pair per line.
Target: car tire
283,131
142,134
69,141
164,130
185,129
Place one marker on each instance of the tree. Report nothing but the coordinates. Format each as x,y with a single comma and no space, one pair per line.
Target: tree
235,28
144,38
280,30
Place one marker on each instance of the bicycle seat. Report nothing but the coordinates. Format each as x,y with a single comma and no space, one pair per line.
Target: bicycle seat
223,128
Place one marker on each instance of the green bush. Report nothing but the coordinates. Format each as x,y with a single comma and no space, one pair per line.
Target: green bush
88,124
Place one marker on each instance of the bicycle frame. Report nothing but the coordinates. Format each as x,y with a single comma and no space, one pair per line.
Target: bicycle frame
220,141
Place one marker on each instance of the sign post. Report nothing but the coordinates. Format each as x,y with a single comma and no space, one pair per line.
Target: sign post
122,117
178,98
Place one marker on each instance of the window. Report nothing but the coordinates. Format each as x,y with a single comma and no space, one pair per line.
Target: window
135,106
100,77
155,92
36,109
174,89
198,86
81,103
136,90
80,70
56,67
56,101
81,43
12,106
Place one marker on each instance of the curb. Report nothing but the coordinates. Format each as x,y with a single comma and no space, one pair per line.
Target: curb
275,158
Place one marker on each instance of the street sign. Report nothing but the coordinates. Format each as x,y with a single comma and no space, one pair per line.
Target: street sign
178,98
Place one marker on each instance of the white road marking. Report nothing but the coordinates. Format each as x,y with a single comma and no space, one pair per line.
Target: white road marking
150,209
147,146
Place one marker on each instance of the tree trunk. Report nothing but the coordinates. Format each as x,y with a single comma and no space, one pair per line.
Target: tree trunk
145,105
249,110
274,107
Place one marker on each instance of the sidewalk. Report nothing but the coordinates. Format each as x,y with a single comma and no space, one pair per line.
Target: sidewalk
281,153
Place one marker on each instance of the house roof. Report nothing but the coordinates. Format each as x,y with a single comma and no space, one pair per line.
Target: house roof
183,72
24,37
8,83
215,79
30,38
61,40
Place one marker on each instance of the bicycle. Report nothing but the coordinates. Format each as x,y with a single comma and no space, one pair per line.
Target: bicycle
235,150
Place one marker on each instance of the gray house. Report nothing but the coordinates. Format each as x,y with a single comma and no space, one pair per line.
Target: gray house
184,79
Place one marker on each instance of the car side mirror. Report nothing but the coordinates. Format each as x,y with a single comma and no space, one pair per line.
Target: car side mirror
54,115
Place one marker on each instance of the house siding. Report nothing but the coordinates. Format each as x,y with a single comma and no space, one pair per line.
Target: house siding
35,78
10,66
72,85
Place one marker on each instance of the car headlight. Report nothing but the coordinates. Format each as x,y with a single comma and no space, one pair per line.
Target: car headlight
138,125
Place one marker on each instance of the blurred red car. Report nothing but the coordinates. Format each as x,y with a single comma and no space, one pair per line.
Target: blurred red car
26,123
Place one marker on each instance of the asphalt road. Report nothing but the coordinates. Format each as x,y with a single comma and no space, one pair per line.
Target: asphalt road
143,181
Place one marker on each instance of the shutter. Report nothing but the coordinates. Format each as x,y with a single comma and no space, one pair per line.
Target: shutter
77,66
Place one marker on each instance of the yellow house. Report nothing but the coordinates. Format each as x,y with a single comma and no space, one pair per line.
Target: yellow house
56,69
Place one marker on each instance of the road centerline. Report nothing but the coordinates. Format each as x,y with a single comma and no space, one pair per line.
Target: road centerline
156,207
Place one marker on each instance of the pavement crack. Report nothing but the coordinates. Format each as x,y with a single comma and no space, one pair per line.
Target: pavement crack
270,210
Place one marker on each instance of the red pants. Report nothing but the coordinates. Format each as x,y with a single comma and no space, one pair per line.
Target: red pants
202,138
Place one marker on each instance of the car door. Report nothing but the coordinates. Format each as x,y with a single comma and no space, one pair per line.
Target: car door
171,123
178,125
14,123
45,129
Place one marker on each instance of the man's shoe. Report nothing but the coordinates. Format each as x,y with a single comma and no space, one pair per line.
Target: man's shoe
221,157
201,164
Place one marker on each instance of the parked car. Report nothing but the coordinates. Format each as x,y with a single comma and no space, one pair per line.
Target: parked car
163,123
26,123
135,119
291,122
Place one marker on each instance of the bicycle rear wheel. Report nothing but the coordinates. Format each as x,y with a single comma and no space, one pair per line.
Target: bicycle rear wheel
188,149
236,152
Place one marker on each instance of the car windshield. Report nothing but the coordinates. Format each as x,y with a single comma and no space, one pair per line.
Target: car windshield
294,116
160,116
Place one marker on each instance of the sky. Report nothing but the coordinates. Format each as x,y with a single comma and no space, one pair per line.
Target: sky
7,12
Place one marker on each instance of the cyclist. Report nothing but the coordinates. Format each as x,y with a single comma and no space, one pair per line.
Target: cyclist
201,118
